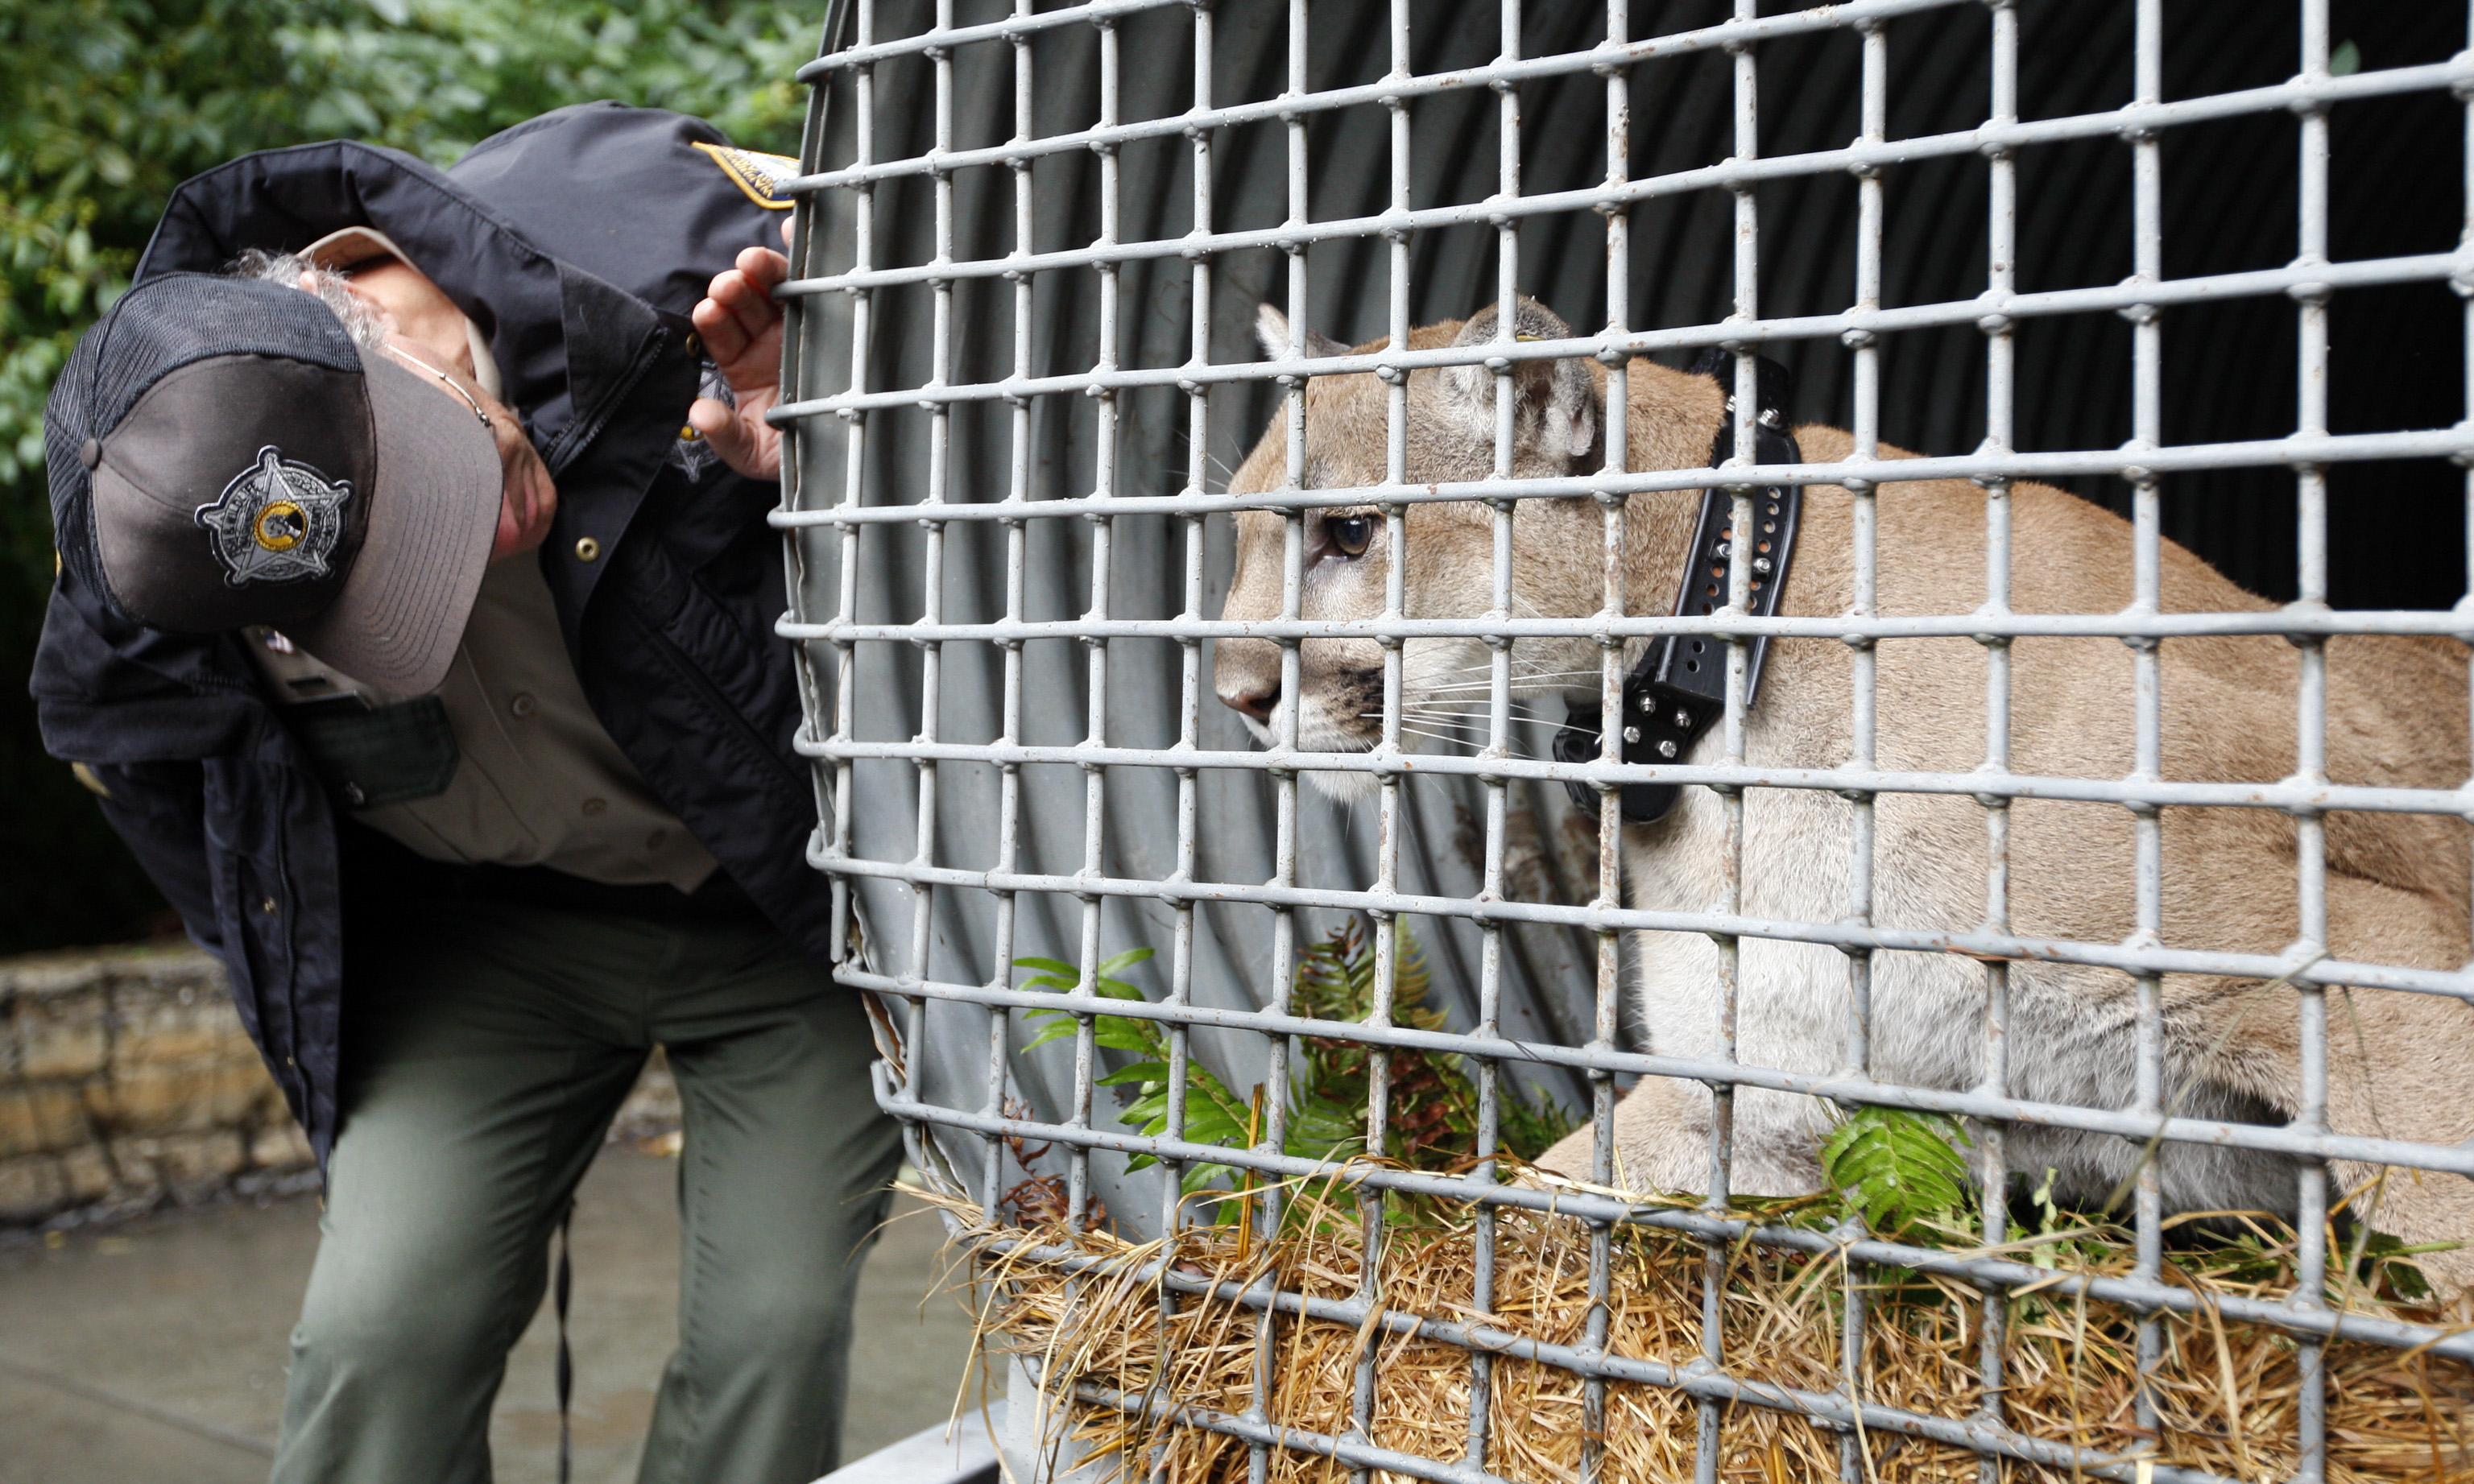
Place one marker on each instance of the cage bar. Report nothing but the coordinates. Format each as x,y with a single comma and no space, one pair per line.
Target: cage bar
1049,383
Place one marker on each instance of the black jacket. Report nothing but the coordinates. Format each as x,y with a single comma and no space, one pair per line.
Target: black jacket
578,243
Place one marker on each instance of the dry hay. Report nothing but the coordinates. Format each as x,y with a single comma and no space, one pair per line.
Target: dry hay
2227,1389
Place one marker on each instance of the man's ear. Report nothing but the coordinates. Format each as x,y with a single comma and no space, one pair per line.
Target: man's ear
1555,407
1271,328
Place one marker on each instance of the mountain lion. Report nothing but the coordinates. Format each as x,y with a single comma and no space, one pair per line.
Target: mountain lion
2400,1065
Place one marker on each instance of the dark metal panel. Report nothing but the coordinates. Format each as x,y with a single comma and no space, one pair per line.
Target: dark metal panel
2230,373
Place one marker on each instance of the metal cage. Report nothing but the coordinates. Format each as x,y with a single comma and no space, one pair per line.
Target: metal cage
2100,246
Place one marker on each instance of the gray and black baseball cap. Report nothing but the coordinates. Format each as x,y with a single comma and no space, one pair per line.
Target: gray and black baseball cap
222,455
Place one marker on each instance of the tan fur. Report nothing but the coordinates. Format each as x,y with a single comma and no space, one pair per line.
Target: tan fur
2400,1065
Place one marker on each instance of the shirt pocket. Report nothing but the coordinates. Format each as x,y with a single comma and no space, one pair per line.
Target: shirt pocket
369,756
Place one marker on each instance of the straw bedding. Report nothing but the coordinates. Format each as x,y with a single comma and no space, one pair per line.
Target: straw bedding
2227,1391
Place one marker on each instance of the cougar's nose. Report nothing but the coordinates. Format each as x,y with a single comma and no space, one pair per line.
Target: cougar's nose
1258,704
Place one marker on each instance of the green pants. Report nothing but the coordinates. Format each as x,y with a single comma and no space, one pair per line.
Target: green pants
487,1046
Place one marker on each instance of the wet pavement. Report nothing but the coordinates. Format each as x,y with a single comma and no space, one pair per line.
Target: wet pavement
155,1350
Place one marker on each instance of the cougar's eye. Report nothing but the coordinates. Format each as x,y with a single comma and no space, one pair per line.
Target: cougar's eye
1350,533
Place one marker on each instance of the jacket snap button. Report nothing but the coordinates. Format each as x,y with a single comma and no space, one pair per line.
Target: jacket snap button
593,807
588,549
521,705
267,905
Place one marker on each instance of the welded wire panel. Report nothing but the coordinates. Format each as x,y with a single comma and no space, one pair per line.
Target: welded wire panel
1170,648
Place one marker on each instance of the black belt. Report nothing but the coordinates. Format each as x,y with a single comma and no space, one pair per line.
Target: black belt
1679,688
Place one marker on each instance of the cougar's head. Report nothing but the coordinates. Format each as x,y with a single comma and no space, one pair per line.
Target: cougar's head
1447,549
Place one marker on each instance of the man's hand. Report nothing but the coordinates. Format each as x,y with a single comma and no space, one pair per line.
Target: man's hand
527,497
742,327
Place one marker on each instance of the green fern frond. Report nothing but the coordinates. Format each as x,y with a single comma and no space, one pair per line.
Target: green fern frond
1433,1100
1896,1168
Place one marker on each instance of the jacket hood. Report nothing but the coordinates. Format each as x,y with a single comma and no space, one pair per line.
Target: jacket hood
563,338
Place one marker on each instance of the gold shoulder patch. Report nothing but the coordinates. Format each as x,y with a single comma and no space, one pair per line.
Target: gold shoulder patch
755,174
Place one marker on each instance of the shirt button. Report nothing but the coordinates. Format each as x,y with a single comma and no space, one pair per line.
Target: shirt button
588,549
593,807
521,704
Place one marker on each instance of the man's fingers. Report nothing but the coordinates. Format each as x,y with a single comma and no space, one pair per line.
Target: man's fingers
541,505
742,327
723,338
739,314
722,429
738,308
745,445
764,268
749,298
711,417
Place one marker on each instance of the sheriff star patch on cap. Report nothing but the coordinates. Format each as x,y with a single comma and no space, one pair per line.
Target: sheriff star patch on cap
277,522
758,175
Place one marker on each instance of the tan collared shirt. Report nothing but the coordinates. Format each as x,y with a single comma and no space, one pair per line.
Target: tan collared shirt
538,781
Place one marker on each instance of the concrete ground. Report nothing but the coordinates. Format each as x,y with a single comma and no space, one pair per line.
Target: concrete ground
156,1350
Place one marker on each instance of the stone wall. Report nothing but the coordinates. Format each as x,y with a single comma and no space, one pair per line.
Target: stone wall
127,1083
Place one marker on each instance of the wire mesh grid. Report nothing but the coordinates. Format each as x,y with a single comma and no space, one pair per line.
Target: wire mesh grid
1018,359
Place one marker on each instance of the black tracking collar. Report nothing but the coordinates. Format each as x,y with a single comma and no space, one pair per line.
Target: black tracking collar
1680,687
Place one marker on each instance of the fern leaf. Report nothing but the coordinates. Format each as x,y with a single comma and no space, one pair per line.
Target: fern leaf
1895,1167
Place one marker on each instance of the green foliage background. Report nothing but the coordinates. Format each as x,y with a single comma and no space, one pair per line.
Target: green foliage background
106,105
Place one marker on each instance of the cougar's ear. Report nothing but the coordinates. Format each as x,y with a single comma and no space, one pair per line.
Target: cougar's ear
1271,328
1556,407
